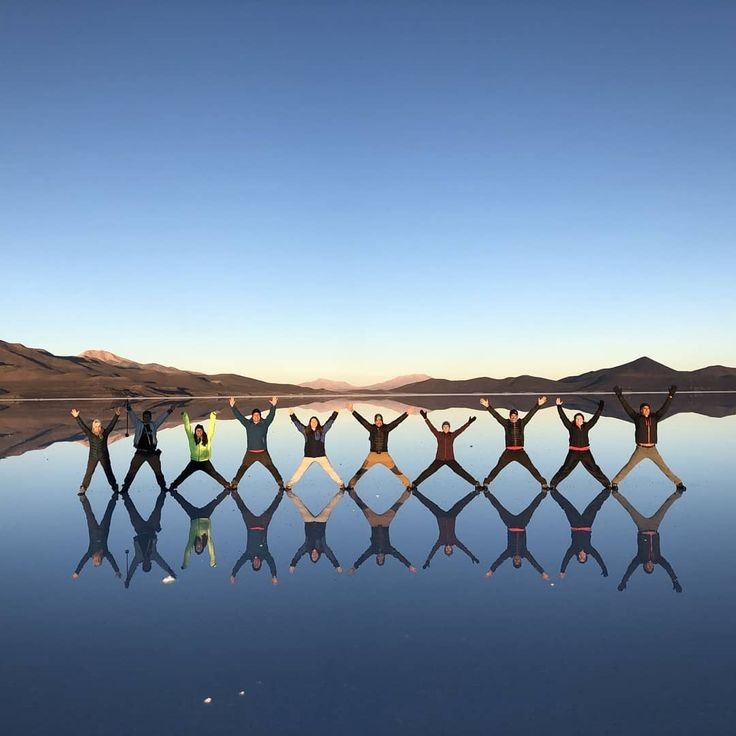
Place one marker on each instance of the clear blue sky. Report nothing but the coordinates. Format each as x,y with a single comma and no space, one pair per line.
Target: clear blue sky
363,189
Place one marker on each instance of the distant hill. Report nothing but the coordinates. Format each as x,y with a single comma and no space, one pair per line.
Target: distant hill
343,386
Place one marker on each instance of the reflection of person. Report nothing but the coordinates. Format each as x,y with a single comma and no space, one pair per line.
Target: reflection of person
256,430
446,523
647,541
516,525
145,441
256,546
445,452
581,530
646,421
315,530
314,448
200,526
145,539
200,451
514,431
579,449
97,550
98,450
378,434
380,545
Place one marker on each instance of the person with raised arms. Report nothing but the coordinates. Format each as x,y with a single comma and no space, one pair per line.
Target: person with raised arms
315,532
516,524
98,450
579,448
514,432
314,449
378,433
581,530
380,545
445,452
645,435
145,441
446,521
256,430
200,452
256,546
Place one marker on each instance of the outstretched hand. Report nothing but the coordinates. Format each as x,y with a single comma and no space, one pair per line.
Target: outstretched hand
425,565
412,569
349,407
338,569
231,401
471,419
545,576
489,574
351,571
292,569
423,413
558,401
542,400
274,580
617,390
622,586
274,400
485,403
75,413
673,390
118,410
233,580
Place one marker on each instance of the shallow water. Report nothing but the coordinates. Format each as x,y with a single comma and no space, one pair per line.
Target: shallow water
443,651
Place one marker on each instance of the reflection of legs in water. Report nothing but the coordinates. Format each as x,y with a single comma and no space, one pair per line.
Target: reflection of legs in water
378,458
206,511
592,509
135,518
526,515
656,520
574,518
641,453
640,521
458,506
154,520
431,505
191,511
430,470
507,517
324,515
304,512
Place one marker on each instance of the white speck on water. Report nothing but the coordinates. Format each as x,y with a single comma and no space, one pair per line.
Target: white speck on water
551,585
242,692
207,701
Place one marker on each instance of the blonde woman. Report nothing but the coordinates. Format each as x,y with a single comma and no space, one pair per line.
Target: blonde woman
98,451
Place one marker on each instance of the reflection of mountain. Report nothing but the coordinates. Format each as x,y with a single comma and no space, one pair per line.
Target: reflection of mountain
31,373
342,386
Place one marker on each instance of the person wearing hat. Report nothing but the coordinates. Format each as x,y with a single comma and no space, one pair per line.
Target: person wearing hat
645,435
256,430
514,452
145,442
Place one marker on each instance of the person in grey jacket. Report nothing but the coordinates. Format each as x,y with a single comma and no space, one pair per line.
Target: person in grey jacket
145,442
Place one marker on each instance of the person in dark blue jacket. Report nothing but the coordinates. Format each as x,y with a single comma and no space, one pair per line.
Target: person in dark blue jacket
314,448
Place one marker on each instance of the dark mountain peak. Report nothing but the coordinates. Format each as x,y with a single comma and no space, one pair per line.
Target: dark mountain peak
644,365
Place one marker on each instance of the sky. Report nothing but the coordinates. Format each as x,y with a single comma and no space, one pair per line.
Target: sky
359,190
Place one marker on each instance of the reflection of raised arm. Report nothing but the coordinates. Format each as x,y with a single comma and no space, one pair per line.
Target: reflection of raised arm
368,552
596,556
627,407
161,562
529,556
668,569
299,554
629,572
331,557
395,553
82,563
396,422
243,559
431,555
495,414
566,559
498,562
467,551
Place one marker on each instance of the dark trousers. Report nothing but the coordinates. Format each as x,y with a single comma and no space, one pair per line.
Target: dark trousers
258,457
454,465
92,464
515,456
193,467
199,512
140,525
574,517
516,521
153,459
586,458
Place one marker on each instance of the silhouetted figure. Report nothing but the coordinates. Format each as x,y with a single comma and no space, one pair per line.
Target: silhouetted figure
378,434
380,545
645,435
516,525
256,430
98,450
200,526
145,540
315,530
579,449
97,550
446,524
200,451
514,432
647,541
314,448
445,452
145,441
256,546
581,530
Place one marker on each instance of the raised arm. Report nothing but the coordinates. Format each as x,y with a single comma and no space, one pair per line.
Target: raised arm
496,416
563,416
627,407
460,430
531,413
396,422
111,424
82,425
665,407
299,426
362,420
271,416
597,415
330,421
239,415
163,417
429,424
187,425
211,426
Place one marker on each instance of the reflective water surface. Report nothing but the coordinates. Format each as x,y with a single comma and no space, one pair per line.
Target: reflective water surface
390,644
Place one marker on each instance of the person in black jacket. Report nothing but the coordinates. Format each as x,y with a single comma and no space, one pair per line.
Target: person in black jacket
97,550
647,541
380,545
645,435
446,521
256,546
581,530
514,433
378,455
516,525
445,452
315,531
579,449
98,450
145,441
145,539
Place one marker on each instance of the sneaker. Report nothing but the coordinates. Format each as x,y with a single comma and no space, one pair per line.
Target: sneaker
680,488
614,488
545,488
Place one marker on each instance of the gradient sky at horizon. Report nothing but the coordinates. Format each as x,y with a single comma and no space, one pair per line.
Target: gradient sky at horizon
360,190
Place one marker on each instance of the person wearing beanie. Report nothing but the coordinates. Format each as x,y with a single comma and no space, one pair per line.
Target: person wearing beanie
445,452
579,448
514,432
98,450
314,448
200,451
378,435
645,436
256,430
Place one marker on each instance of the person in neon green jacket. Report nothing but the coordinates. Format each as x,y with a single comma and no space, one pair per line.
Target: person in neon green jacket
200,527
200,451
